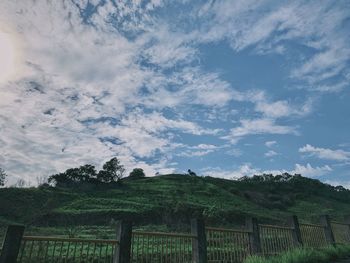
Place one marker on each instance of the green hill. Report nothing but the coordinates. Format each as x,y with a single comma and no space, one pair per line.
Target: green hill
173,199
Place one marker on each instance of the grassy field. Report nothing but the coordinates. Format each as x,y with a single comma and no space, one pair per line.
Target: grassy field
167,203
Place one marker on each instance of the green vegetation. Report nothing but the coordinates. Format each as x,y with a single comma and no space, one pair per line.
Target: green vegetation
171,200
304,255
112,171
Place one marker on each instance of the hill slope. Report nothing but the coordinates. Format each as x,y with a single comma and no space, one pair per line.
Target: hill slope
173,199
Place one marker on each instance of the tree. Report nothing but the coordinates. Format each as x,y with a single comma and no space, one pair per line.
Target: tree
3,176
71,176
137,173
191,173
112,171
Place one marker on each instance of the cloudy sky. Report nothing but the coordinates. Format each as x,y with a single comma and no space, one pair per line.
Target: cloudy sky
225,88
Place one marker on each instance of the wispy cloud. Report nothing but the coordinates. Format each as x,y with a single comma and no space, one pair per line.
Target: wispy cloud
324,153
270,153
258,126
270,143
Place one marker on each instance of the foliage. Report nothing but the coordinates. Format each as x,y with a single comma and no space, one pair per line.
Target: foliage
306,255
137,173
112,171
176,197
3,176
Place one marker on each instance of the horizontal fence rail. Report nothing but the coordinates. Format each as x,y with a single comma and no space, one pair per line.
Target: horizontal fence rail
341,232
157,247
227,245
275,239
313,235
36,249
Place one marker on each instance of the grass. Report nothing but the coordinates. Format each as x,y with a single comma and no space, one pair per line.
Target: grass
171,200
306,255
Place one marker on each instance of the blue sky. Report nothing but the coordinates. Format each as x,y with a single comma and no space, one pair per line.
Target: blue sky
225,88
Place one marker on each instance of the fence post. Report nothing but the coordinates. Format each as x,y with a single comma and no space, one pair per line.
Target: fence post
254,236
199,244
294,223
347,221
11,244
326,223
122,252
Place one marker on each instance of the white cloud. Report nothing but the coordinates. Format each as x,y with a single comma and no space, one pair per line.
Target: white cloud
243,170
270,143
324,153
310,171
271,153
258,126
247,170
318,26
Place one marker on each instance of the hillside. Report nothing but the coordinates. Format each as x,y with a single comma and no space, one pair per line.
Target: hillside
172,200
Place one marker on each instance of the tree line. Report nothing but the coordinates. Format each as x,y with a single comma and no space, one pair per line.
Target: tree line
112,172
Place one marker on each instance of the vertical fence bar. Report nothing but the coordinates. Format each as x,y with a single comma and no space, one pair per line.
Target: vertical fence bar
12,243
294,223
123,249
326,223
199,244
254,236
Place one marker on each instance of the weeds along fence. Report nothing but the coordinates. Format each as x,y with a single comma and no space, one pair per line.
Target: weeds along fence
50,249
313,235
276,239
161,247
341,232
227,245
203,244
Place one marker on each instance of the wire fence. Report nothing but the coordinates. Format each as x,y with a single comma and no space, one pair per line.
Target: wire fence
35,249
313,235
341,232
155,247
227,245
275,239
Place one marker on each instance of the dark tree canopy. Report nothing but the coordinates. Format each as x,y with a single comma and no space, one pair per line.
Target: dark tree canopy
3,176
191,173
112,171
137,173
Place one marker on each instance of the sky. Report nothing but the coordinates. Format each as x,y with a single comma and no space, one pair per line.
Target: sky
224,88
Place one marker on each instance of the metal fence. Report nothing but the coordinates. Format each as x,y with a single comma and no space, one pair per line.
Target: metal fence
341,232
313,235
227,245
155,247
216,244
36,249
275,239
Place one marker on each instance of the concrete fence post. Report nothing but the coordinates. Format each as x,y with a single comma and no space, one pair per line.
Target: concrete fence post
122,252
294,223
326,223
12,243
254,236
199,243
